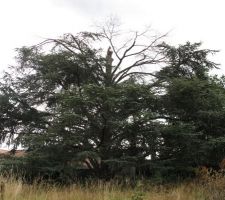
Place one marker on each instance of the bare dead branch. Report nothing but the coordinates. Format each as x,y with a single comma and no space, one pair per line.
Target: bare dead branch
124,54
147,47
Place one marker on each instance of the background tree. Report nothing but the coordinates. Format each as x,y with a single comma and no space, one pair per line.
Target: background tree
194,100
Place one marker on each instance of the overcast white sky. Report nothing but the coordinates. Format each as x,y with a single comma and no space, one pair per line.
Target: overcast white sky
26,22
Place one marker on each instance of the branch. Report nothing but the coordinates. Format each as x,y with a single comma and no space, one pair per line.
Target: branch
139,62
111,43
164,117
138,73
125,52
143,61
147,47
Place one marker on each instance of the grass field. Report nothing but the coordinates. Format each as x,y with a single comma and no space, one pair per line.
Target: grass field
208,187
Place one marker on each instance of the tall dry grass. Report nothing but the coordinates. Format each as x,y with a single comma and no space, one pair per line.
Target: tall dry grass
210,185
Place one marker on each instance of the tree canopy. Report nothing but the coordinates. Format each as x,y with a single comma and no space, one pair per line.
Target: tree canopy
142,106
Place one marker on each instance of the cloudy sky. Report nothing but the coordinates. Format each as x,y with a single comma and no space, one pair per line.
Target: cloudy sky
26,22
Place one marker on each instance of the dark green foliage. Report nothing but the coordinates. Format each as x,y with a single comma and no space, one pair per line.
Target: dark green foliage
76,110
195,100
